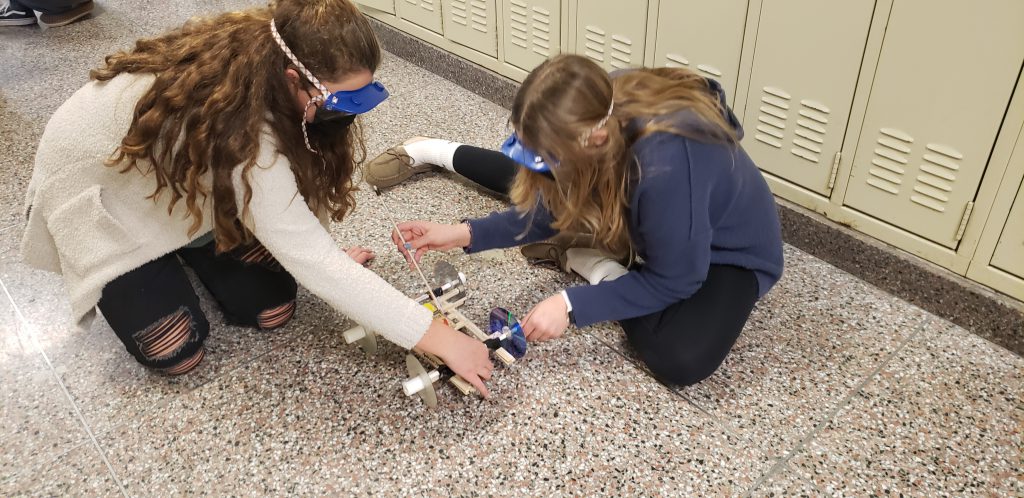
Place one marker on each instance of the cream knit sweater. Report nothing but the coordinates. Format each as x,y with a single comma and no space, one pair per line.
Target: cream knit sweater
92,224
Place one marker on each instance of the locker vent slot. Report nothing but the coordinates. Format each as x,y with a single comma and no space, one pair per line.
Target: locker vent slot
810,130
470,13
673,60
594,46
542,31
622,51
618,51
427,5
530,32
889,162
935,181
712,71
771,122
519,23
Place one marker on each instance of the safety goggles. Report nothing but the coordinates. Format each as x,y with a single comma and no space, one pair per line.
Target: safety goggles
515,150
356,101
350,102
523,156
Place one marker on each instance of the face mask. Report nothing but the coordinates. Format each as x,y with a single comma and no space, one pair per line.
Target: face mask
338,119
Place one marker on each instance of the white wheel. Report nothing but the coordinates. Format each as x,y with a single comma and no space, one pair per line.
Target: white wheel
366,339
420,380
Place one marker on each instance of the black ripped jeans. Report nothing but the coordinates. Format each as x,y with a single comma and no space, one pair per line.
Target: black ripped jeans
682,344
155,311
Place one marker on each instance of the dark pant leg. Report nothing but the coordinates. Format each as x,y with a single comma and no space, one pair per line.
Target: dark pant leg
250,285
50,6
686,342
488,168
155,312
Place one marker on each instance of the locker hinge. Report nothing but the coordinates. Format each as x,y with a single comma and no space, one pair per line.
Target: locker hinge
963,221
835,170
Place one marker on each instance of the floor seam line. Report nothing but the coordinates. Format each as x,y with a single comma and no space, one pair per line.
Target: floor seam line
801,444
64,389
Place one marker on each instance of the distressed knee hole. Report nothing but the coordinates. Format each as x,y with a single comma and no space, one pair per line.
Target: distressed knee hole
186,365
259,255
167,337
277,316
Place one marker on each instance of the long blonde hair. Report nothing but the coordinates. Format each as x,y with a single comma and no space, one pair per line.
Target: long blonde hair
567,96
217,81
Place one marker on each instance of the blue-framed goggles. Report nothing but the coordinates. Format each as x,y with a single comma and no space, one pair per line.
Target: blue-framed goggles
357,101
525,157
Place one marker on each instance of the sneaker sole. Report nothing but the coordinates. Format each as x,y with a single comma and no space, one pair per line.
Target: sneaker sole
18,22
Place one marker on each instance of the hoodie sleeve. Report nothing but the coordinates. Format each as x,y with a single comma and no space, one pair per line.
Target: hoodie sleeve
510,228
674,223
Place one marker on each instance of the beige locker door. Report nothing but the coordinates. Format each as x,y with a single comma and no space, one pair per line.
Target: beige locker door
424,13
472,23
532,32
384,5
942,85
706,37
612,32
1009,254
806,60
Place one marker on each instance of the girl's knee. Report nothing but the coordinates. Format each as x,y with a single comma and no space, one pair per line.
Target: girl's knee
174,344
681,367
277,316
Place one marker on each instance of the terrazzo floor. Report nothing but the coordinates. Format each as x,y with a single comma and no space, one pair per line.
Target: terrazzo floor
835,387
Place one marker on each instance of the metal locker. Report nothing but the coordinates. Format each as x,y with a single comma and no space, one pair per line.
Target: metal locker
943,83
424,13
383,5
706,37
532,31
1009,254
807,57
472,23
612,32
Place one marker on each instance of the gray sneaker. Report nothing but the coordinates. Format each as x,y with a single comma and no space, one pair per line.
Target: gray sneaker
13,14
67,17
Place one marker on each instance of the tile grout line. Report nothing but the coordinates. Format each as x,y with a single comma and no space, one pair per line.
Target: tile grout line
145,414
830,415
64,389
725,426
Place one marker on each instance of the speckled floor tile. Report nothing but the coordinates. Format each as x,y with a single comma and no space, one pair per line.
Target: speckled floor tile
37,422
106,382
808,343
319,418
785,483
946,417
79,472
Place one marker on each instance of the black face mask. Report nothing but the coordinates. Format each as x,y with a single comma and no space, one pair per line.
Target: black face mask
336,120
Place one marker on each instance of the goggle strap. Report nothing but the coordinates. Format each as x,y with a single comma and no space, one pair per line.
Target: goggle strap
600,124
295,60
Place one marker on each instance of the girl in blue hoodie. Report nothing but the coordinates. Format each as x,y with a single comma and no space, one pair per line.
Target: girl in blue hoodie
682,234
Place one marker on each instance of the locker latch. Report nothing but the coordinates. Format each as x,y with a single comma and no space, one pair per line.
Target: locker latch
835,170
963,221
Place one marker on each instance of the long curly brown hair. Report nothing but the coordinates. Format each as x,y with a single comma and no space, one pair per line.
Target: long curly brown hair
220,83
562,100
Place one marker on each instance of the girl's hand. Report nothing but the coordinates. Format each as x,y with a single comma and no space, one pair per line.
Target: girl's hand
360,255
426,236
547,320
466,356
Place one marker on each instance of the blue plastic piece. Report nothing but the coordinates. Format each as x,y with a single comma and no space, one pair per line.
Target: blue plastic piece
357,101
525,157
515,344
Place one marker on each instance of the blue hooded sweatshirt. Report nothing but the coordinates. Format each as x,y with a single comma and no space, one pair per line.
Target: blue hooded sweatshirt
693,204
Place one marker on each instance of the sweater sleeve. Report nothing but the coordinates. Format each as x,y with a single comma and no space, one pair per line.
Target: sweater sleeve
280,219
510,228
675,226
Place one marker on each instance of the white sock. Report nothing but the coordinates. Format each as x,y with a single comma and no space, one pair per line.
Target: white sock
593,265
433,151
